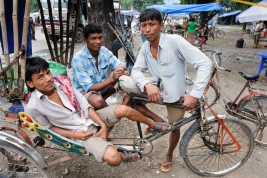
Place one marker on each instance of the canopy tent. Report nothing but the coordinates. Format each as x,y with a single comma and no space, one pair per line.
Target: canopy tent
176,9
129,12
230,13
181,15
253,13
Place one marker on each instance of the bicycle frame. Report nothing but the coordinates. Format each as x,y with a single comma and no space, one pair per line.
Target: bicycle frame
231,107
195,116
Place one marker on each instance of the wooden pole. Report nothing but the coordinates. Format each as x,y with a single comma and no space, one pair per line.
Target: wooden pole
78,11
53,29
16,37
68,31
45,30
5,42
61,58
25,38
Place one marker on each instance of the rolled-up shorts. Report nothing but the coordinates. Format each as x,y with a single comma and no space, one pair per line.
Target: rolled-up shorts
129,85
96,145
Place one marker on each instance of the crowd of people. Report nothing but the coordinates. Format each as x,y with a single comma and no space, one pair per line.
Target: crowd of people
78,110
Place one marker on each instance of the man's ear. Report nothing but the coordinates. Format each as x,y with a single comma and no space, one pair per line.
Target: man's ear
30,84
161,26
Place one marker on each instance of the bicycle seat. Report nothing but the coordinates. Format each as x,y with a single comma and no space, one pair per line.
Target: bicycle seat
248,76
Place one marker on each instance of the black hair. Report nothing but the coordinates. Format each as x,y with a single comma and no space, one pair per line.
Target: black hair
150,14
91,28
34,65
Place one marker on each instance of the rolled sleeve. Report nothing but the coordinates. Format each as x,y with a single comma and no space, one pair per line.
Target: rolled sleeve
201,63
82,79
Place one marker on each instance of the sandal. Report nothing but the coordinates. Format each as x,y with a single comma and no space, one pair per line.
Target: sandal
129,156
161,127
163,166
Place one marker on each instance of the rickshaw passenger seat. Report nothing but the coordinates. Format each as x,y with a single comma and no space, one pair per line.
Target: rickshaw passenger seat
28,123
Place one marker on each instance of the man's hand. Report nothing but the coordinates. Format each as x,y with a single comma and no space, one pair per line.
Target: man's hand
189,103
153,93
115,75
103,132
83,135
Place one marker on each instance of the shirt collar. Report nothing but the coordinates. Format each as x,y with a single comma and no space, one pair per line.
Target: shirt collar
89,55
39,94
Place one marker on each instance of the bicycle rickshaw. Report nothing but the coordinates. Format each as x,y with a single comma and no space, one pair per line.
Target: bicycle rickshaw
208,139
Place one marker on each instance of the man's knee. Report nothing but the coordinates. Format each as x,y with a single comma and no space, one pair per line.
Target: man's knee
112,157
96,101
123,111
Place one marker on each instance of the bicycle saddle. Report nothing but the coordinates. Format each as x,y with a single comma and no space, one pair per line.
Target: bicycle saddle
248,76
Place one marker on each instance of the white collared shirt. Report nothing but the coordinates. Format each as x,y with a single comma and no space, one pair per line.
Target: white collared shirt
173,51
49,113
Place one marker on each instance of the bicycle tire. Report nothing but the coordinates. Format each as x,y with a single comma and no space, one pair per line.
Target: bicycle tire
204,160
26,167
209,54
220,34
211,95
246,108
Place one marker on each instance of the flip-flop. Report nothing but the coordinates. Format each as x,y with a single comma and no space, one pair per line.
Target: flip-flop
128,154
169,164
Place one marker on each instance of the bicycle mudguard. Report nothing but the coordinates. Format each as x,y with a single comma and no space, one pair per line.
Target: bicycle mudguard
12,141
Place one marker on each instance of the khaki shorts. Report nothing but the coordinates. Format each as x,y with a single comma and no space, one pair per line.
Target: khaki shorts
128,84
96,145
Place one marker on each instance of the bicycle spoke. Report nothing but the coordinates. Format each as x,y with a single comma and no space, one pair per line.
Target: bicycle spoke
211,157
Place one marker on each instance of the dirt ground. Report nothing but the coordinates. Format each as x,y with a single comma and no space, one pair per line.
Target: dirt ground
233,58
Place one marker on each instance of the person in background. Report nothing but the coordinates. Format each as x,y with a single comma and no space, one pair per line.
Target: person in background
191,29
257,32
32,26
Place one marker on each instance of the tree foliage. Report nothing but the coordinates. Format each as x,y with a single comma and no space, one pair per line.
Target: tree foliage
34,6
139,4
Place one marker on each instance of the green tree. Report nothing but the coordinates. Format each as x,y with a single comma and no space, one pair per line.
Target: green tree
125,4
34,6
141,4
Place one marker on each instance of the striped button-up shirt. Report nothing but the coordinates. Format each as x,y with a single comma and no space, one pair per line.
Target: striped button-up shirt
85,73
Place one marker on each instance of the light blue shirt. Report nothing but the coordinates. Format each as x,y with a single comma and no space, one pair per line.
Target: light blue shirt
173,52
85,73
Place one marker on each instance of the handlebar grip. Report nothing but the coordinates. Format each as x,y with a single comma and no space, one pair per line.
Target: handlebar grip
227,70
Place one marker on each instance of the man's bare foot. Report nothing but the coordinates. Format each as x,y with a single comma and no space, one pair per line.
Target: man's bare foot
166,164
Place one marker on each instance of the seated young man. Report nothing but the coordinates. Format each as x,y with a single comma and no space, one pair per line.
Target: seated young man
56,105
90,68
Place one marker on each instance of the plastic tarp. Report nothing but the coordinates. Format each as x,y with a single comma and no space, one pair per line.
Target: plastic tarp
230,13
254,13
129,12
176,9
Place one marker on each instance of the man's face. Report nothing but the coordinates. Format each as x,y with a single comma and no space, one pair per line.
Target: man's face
94,41
42,81
151,29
